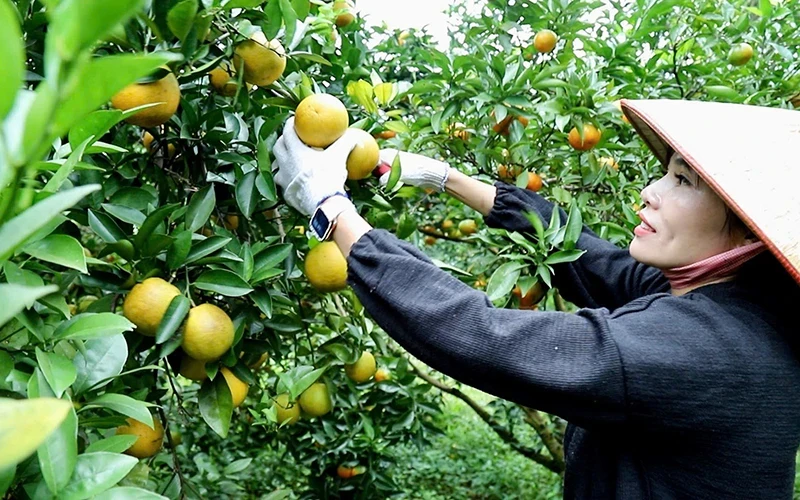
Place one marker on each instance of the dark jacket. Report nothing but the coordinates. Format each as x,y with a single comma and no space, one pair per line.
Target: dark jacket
695,396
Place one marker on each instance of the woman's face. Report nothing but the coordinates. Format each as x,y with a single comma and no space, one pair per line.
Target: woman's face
683,220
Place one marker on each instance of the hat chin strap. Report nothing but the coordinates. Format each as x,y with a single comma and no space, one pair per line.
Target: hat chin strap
723,265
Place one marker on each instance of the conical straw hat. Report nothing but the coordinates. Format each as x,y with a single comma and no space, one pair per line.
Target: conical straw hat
749,155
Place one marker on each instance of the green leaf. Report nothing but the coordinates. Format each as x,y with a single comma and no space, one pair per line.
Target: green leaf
152,222
12,53
176,312
55,182
216,405
59,249
298,379
179,249
15,298
94,125
272,256
14,232
361,92
100,79
129,493
574,227
78,24
263,301
503,280
105,227
57,454
125,214
246,193
394,176
126,405
180,18
237,466
95,473
242,4
723,92
200,208
6,478
113,444
100,360
58,370
206,247
93,325
25,424
223,282
564,256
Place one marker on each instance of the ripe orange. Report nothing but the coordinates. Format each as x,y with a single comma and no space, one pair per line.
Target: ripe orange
316,401
447,224
262,61
458,131
364,156
286,410
147,303
345,17
468,226
231,222
429,240
533,297
320,119
385,134
382,375
165,91
207,333
222,80
149,440
363,369
147,141
509,173
591,136
193,369
607,161
238,388
545,41
326,267
503,125
534,181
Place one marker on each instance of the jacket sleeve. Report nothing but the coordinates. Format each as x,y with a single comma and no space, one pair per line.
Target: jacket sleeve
642,364
605,276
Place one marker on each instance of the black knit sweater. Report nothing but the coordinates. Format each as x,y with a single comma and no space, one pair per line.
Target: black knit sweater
695,396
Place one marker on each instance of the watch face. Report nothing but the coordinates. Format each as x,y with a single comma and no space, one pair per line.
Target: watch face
320,224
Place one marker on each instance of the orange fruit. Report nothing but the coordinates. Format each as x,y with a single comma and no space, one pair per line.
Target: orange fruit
326,267
165,91
286,410
207,333
468,226
534,181
385,134
364,156
382,375
533,297
238,388
193,369
545,41
429,240
347,16
363,369
740,54
149,440
262,61
320,119
222,80
316,401
607,161
231,222
147,303
591,136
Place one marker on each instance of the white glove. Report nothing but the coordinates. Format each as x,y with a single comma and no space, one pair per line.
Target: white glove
417,170
308,175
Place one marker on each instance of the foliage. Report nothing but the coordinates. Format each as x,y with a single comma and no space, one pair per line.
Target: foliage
87,211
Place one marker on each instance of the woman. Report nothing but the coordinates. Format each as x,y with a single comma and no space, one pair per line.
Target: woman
680,374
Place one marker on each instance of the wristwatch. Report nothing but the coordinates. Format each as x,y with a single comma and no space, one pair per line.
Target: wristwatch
323,221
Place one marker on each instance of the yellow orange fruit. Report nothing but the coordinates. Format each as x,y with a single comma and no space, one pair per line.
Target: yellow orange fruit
326,267
364,156
618,105
363,369
315,400
447,224
533,297
222,80
262,61
385,134
468,226
591,136
347,16
534,181
207,333
320,119
255,365
146,304
231,222
402,37
165,91
382,375
607,161
149,440
238,388
147,141
545,41
429,240
287,411
193,369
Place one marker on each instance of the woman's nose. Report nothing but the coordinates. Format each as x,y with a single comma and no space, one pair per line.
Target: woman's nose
650,196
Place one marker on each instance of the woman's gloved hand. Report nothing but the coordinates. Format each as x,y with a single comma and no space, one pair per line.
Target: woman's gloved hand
416,170
307,175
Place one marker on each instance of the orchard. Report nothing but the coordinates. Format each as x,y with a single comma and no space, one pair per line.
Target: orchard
168,326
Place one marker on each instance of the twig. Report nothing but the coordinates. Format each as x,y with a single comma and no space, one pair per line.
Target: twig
172,450
535,419
439,235
504,434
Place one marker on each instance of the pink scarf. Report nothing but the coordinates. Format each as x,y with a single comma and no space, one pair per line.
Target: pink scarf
717,266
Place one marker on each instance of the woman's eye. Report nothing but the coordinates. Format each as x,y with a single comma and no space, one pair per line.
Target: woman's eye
681,179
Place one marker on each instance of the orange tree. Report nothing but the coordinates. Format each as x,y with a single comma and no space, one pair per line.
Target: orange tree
153,278
151,275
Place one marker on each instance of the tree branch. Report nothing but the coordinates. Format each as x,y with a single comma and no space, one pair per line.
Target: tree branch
439,235
552,464
536,420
